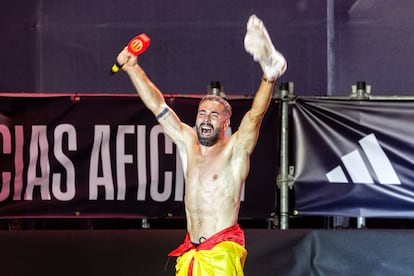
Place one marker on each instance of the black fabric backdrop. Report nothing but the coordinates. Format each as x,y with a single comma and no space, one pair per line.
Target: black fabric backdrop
58,46
67,156
325,130
105,156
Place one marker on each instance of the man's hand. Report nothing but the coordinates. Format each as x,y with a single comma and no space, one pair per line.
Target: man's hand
257,42
126,59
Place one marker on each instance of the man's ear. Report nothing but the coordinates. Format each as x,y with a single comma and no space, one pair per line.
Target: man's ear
227,123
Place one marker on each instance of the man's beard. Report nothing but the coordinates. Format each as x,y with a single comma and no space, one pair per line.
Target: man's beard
208,141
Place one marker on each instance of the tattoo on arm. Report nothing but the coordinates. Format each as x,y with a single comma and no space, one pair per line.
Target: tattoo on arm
162,113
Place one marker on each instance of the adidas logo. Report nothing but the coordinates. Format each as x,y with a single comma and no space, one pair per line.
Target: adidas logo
357,168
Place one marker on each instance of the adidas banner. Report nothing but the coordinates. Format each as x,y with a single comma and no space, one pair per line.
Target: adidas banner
353,158
106,156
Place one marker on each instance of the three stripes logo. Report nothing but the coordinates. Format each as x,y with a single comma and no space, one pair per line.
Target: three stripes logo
357,169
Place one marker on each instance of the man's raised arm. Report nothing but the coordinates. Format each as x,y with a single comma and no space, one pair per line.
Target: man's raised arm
258,43
151,96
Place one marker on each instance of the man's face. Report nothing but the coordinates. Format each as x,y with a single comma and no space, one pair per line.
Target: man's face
211,122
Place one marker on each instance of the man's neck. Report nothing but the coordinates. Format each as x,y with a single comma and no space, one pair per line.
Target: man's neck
217,147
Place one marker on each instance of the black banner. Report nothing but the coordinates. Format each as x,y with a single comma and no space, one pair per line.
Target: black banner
106,156
354,158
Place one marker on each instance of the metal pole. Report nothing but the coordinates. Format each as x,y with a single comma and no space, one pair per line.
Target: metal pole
330,34
284,164
360,222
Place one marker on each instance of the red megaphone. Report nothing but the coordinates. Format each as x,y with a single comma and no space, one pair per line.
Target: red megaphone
136,46
139,44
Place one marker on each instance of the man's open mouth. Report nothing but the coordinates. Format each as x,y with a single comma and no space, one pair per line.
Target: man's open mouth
206,130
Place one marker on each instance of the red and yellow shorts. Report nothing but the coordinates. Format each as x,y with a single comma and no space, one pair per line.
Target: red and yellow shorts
222,254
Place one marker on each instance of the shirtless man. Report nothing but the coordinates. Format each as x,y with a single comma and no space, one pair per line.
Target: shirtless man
215,166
